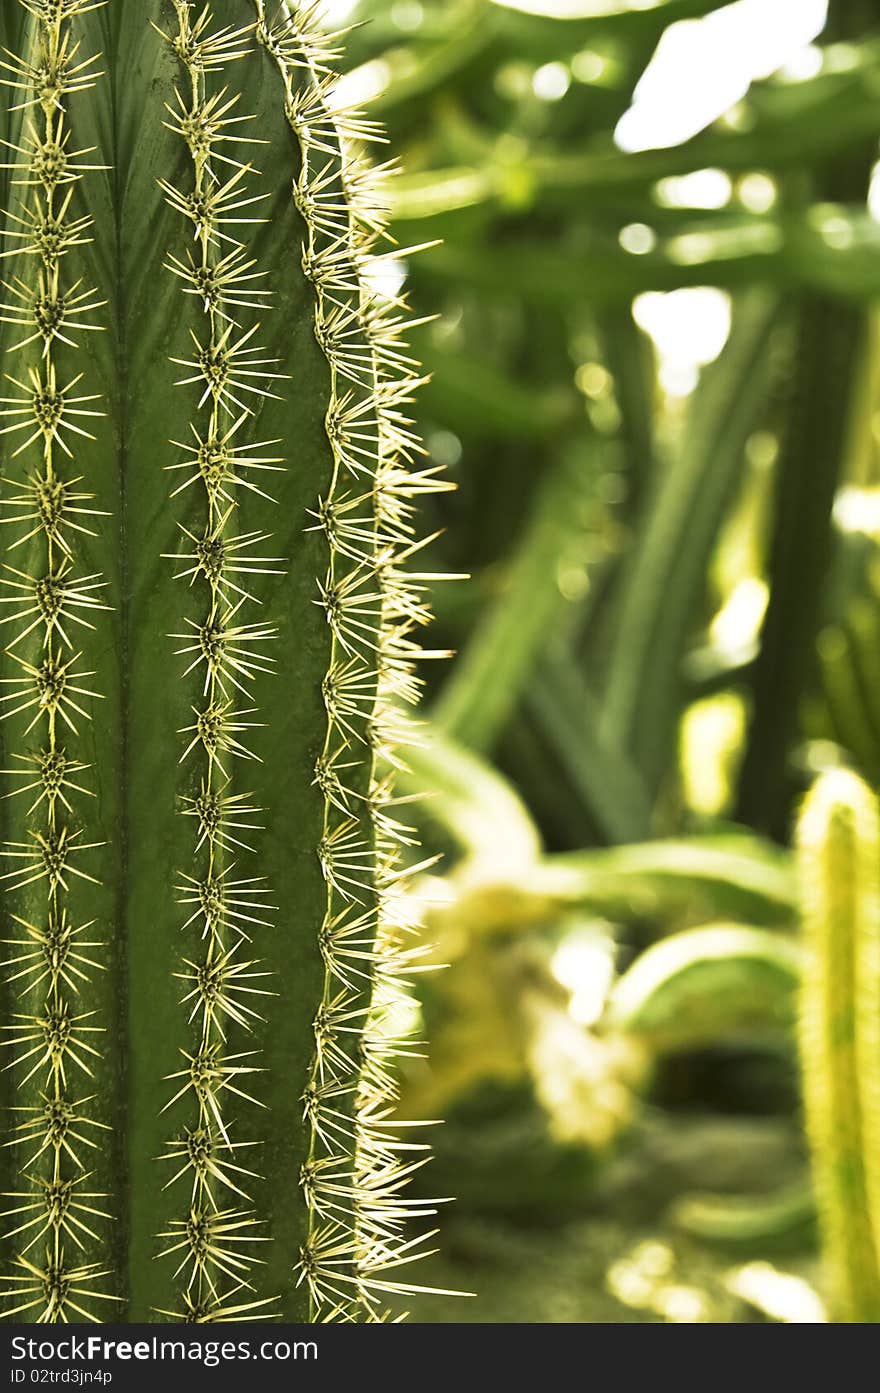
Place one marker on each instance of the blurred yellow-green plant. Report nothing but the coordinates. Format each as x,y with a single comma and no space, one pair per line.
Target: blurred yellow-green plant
839,852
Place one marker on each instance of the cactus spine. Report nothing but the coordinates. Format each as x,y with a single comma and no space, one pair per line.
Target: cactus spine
839,851
207,883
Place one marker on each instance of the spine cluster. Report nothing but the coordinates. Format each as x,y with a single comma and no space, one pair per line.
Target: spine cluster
55,1218
215,1243
360,1158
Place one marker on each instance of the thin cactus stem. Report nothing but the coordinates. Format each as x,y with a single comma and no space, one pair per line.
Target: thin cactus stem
214,1245
210,930
839,854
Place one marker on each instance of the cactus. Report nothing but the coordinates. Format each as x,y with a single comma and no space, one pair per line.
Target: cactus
208,488
839,847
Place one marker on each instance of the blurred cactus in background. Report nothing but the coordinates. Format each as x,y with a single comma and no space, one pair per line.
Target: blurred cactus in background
646,310
654,378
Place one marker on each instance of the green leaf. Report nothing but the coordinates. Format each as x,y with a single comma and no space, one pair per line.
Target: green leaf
471,801
569,716
720,983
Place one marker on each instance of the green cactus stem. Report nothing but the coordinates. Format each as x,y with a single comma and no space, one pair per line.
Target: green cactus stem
210,618
839,852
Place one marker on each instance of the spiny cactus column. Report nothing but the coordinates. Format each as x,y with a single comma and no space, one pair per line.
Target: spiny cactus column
58,1031
839,857
209,484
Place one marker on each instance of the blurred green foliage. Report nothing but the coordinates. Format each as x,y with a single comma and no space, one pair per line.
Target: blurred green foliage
671,627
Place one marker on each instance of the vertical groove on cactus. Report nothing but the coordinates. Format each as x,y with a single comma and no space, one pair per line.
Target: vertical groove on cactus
214,1246
839,853
56,1217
